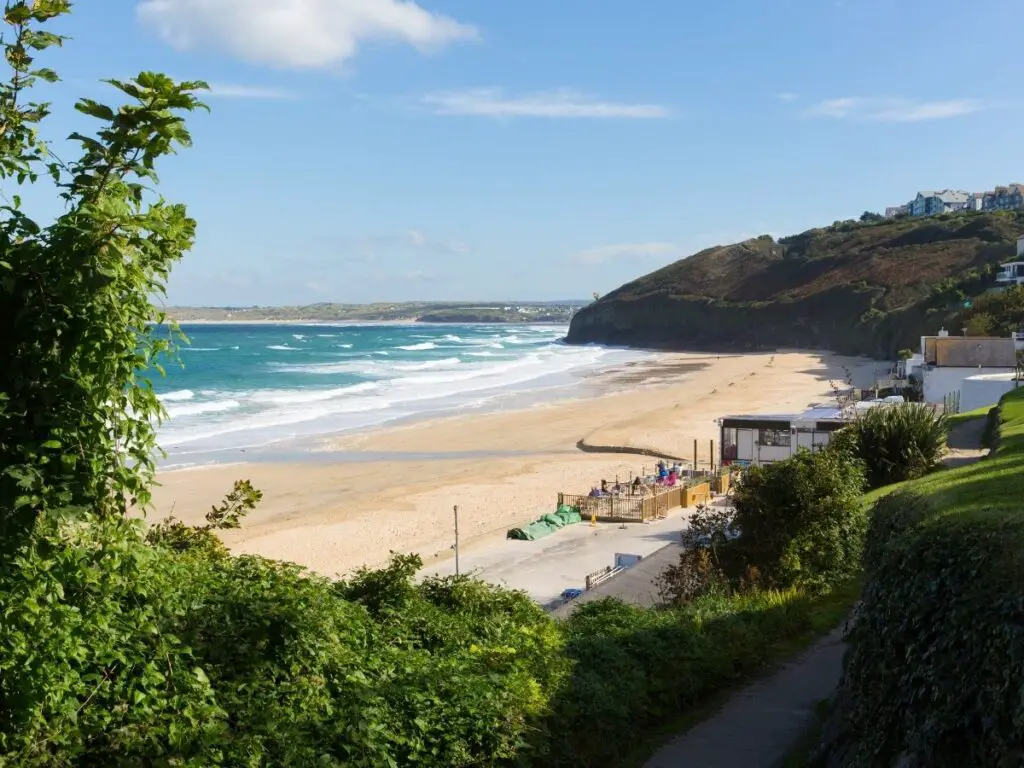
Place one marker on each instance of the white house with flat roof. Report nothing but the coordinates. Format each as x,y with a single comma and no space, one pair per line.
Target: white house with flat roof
948,361
759,439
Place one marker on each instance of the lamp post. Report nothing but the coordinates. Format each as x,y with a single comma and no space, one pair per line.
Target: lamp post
456,539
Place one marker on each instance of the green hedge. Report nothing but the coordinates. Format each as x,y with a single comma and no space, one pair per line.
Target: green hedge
936,664
119,651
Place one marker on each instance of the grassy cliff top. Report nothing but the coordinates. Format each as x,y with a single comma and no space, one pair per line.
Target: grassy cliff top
865,288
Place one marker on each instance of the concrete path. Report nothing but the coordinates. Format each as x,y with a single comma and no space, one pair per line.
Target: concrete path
964,443
758,725
545,567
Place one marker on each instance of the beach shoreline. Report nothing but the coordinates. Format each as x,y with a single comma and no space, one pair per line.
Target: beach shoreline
501,468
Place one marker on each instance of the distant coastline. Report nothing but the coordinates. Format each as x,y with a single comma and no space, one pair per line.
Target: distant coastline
554,313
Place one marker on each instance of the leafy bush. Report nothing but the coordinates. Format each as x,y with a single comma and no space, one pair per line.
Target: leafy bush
801,520
934,673
117,649
898,442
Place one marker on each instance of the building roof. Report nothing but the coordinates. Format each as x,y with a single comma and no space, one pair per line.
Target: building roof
952,196
814,413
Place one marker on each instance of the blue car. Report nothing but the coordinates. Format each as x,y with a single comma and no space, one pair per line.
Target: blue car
571,594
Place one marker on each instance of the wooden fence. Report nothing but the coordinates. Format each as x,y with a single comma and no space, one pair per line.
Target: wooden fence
641,509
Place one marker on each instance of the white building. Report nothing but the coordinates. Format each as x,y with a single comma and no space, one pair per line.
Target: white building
1012,272
759,439
986,390
948,361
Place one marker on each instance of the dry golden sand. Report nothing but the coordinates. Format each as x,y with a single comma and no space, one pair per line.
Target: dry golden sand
333,516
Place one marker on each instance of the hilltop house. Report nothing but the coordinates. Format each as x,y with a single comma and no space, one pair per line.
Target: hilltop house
1008,198
932,203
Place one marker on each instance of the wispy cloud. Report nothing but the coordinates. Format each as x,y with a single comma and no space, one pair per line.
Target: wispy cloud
607,253
894,110
299,33
229,91
561,103
421,241
787,96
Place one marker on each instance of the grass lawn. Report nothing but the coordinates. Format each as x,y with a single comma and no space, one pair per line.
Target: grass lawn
960,418
996,483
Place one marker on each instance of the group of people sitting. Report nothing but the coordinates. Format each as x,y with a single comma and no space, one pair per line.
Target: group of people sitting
668,476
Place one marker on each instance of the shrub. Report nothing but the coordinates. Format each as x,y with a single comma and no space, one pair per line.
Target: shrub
801,520
898,442
934,672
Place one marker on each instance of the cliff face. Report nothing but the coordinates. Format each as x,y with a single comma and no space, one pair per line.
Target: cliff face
867,289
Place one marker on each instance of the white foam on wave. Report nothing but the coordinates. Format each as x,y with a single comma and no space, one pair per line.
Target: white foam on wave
419,347
285,348
400,387
298,336
293,396
196,409
344,346
176,395
448,362
202,349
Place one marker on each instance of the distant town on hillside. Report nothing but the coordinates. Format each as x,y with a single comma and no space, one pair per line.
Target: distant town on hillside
423,312
931,203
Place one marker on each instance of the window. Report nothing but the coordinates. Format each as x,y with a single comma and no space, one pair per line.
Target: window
775,437
730,447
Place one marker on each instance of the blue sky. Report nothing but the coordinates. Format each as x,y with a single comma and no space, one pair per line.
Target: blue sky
367,150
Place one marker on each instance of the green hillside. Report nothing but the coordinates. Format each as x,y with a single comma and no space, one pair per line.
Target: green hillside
855,288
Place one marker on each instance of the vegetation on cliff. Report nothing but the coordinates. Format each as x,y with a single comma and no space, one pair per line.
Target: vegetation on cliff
870,287
933,676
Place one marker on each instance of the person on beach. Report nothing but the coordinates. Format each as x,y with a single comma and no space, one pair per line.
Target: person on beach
604,487
636,485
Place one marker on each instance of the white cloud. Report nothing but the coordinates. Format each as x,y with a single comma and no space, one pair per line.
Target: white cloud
894,110
298,33
492,102
421,241
228,91
607,253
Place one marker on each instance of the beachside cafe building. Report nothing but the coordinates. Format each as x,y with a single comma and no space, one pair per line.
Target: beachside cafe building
760,439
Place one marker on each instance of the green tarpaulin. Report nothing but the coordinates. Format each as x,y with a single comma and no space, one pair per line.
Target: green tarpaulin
547,525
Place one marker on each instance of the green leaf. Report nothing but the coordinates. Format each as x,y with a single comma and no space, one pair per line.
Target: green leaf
95,109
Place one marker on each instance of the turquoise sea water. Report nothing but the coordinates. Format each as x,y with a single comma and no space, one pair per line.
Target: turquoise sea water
264,388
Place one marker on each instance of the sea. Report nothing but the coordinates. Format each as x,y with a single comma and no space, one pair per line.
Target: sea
246,392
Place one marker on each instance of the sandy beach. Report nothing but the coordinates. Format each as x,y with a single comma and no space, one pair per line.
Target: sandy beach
337,510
